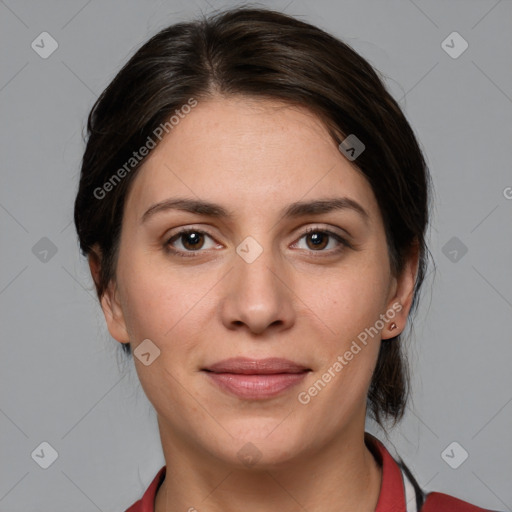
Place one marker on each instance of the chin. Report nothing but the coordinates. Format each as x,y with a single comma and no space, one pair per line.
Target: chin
263,443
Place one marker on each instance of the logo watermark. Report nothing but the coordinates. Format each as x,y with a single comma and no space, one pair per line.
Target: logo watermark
143,151
304,397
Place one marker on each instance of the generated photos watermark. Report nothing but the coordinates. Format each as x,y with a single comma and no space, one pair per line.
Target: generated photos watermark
305,397
137,156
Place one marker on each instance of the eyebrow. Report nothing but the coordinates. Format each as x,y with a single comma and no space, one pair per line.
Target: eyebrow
297,209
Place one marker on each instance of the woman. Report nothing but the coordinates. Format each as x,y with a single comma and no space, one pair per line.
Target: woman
253,206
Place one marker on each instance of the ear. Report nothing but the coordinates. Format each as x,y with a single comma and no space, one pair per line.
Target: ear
401,295
109,301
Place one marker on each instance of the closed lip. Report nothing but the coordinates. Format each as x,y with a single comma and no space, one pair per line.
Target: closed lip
248,366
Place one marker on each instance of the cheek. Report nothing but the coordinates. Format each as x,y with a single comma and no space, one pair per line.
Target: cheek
348,301
163,306
350,306
163,303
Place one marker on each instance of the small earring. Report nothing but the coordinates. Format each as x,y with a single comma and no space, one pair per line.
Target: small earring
392,327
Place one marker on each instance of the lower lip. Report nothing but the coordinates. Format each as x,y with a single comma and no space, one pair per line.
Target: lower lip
256,387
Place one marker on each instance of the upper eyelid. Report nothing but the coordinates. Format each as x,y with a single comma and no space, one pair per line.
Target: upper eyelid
307,230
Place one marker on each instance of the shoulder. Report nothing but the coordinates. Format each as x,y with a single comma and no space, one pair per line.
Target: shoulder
439,502
399,482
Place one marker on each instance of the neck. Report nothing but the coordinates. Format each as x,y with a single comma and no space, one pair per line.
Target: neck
343,476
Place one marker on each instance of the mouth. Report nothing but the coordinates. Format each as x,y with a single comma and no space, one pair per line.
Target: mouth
256,379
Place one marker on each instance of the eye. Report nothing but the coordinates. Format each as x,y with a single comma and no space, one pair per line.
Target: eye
189,241
321,239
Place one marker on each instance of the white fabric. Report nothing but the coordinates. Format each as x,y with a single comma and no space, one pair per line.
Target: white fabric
410,494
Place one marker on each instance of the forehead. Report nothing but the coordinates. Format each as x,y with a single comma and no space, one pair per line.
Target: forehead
250,153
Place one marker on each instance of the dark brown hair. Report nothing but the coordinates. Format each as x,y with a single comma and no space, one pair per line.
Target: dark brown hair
263,54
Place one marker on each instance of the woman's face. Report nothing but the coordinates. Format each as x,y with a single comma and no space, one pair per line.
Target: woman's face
285,260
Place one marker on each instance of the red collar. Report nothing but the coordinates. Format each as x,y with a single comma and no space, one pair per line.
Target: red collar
392,493
147,502
391,497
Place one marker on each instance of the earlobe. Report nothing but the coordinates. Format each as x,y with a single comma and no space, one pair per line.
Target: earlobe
395,321
403,294
110,306
114,314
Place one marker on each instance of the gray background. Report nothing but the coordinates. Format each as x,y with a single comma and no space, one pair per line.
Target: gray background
62,378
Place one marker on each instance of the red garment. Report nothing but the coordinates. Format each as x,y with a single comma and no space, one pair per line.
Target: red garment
391,497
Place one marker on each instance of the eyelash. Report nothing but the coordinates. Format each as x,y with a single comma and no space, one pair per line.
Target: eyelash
187,254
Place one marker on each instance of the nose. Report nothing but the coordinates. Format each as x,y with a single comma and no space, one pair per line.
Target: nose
257,296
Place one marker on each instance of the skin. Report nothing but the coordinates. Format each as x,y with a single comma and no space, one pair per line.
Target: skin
296,301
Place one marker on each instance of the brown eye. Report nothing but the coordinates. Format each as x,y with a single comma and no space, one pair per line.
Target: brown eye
192,240
317,240
322,241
